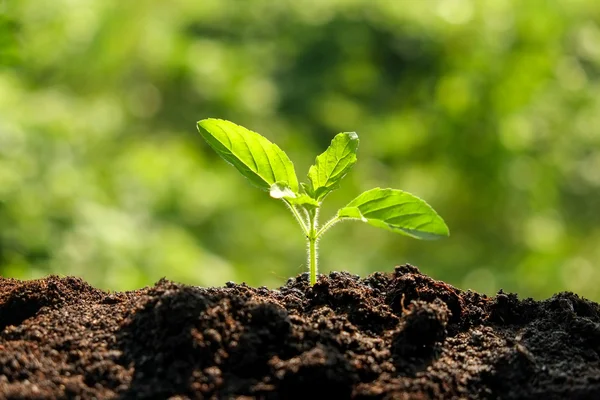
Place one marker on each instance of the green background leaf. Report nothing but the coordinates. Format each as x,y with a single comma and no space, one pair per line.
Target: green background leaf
333,164
396,211
259,160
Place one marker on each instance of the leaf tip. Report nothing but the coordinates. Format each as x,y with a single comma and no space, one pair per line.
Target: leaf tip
203,124
352,135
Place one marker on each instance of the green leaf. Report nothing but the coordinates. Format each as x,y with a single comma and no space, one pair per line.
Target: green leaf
280,190
333,164
305,201
259,160
396,211
307,188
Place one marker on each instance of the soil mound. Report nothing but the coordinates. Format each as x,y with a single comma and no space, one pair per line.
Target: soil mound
400,335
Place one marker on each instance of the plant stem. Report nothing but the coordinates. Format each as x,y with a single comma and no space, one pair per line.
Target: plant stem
328,225
310,226
313,238
312,256
303,223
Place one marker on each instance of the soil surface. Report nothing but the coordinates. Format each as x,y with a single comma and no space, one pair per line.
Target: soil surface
400,335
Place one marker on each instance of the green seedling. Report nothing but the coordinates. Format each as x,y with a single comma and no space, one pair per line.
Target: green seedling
271,170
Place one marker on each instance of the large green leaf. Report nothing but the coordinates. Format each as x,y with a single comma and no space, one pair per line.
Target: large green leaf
333,164
396,211
259,160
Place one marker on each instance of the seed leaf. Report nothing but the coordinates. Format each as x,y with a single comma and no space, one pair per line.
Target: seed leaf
259,160
396,211
333,164
305,201
280,190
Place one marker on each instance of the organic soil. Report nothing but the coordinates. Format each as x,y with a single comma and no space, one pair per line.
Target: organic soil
400,335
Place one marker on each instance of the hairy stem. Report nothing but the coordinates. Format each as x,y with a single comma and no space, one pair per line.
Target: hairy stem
304,223
312,259
313,238
328,225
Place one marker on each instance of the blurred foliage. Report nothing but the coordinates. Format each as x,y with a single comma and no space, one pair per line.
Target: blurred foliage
487,109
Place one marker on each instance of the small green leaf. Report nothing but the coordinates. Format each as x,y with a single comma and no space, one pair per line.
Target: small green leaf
307,188
280,190
259,160
333,164
396,211
305,201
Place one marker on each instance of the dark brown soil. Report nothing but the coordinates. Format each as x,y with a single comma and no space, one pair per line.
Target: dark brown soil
389,336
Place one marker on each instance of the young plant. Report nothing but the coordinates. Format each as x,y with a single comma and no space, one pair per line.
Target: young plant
271,170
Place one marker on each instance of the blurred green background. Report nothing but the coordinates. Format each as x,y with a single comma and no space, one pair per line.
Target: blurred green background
489,110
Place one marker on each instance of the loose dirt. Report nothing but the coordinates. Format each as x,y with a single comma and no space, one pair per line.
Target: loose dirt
400,335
